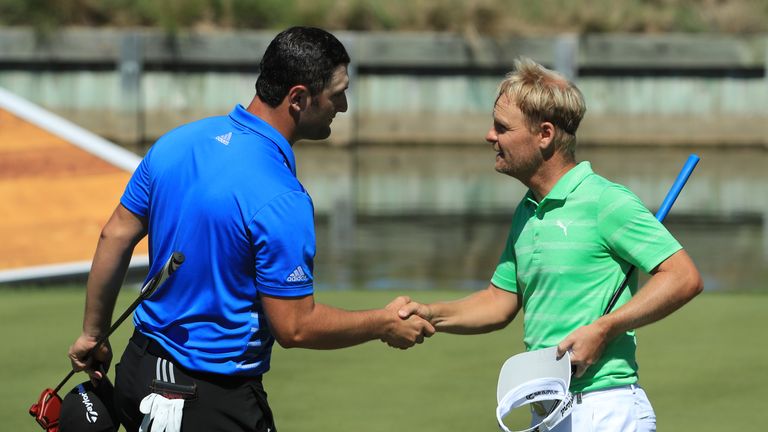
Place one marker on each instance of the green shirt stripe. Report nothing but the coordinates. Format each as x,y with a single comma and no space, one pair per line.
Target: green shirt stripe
567,255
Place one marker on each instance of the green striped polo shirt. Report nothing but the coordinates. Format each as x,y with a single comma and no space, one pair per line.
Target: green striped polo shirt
568,254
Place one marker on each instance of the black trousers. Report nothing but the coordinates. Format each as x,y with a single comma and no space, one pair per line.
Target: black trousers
212,402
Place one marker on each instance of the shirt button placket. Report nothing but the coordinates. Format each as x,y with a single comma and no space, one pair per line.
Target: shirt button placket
536,231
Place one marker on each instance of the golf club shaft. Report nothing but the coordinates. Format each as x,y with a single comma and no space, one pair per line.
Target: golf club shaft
661,214
173,263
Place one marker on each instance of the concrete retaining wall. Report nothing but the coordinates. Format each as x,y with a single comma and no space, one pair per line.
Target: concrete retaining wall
132,85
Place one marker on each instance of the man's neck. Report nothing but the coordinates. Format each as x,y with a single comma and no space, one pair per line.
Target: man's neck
278,117
547,176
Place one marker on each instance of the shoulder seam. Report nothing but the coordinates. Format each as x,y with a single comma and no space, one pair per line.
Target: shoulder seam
271,200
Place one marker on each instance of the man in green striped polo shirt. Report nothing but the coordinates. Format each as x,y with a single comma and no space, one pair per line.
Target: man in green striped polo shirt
573,238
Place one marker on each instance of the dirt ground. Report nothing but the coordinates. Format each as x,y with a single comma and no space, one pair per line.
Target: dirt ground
54,197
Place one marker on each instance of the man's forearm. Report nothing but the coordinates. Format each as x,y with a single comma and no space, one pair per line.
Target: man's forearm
330,328
110,265
481,312
302,323
675,283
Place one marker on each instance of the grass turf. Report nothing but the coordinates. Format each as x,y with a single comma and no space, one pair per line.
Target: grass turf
701,367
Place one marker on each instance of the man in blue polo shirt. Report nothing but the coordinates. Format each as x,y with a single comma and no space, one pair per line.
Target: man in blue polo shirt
224,191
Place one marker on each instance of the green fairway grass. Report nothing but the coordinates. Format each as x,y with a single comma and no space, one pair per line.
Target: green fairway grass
703,368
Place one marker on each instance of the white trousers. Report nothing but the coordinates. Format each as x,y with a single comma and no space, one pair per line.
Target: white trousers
618,409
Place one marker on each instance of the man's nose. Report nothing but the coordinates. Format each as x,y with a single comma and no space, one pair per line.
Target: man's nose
491,136
343,106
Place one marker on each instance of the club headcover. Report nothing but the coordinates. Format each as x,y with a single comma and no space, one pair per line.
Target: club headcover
89,409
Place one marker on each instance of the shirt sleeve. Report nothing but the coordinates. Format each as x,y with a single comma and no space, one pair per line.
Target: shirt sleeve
505,276
283,238
630,230
136,195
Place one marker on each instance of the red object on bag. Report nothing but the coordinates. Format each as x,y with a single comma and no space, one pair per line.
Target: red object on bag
47,410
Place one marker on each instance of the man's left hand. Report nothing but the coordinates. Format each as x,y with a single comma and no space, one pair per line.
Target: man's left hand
586,345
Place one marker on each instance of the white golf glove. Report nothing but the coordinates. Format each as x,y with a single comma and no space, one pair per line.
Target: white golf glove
163,414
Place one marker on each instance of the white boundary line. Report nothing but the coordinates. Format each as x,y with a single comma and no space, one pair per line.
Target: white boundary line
60,270
83,139
71,132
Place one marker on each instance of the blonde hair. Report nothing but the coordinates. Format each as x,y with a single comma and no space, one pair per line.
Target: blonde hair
543,95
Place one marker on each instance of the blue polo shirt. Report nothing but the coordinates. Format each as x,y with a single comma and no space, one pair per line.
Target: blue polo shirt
223,191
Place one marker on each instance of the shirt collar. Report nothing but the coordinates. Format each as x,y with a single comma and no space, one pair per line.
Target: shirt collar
565,185
258,126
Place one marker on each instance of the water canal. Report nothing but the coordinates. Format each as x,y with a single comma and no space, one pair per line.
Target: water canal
437,218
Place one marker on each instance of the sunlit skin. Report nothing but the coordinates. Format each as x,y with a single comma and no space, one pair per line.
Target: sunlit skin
302,115
526,155
315,122
517,150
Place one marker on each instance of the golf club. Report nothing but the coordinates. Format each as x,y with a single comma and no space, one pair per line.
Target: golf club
666,205
48,407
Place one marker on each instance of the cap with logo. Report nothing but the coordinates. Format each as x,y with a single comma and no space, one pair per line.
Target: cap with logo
532,377
89,409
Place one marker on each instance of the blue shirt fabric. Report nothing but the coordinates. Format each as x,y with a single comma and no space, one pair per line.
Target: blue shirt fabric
224,192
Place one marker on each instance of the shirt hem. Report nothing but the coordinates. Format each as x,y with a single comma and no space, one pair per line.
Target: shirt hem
287,292
606,385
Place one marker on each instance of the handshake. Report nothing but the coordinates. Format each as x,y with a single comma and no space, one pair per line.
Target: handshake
409,323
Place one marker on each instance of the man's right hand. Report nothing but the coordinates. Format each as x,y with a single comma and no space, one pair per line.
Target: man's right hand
97,363
480,312
405,332
415,308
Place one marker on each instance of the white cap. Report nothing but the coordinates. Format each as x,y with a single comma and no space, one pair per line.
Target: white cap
535,376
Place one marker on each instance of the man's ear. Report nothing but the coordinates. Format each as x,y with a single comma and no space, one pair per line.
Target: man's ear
546,135
298,98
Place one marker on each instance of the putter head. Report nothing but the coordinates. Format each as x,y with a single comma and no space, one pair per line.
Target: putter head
47,410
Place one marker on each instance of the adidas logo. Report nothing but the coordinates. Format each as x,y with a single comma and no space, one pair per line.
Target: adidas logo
224,139
298,275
